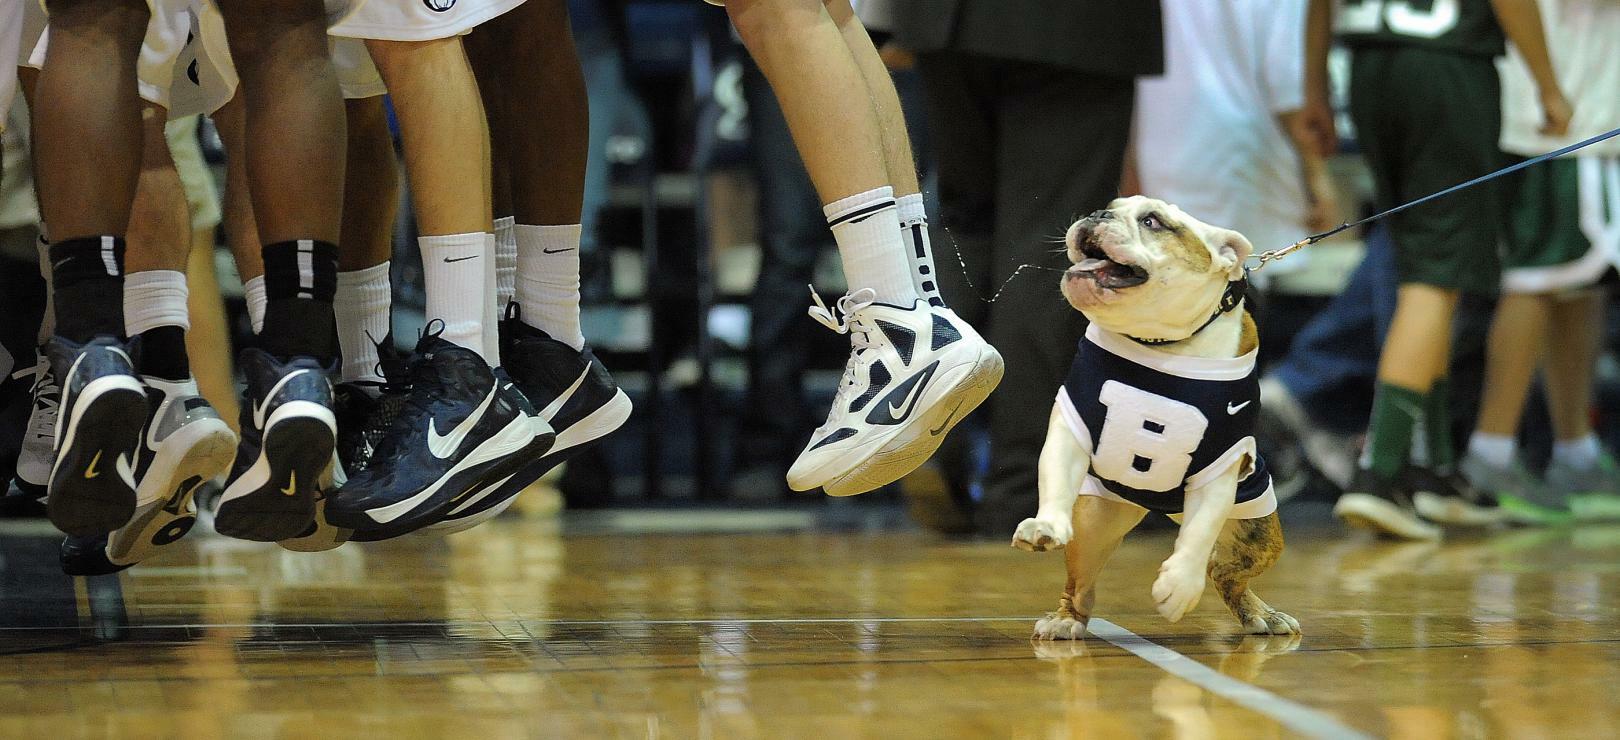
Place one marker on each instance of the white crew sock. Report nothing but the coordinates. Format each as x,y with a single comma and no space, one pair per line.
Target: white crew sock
47,324
492,307
867,229
548,281
1581,453
505,262
1496,449
361,304
154,298
919,251
453,274
253,293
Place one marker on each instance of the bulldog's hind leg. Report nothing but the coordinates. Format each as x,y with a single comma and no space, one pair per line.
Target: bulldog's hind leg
1247,548
1099,525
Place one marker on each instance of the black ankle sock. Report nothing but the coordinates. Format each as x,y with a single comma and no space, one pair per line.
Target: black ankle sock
300,278
163,353
87,277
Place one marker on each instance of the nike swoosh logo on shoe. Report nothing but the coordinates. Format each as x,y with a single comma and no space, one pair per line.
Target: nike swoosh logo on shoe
462,259
264,403
90,471
445,445
551,409
1231,409
557,251
897,406
292,484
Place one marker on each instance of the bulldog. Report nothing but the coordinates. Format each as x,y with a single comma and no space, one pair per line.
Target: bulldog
1158,414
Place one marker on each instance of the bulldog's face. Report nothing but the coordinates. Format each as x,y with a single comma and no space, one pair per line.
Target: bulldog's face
1146,269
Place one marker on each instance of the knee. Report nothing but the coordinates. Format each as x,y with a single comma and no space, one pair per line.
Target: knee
124,19
255,27
757,20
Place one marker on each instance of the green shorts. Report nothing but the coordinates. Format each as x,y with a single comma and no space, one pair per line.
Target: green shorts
1427,120
1563,224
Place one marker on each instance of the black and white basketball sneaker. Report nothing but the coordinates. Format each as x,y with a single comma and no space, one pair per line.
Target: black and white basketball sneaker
39,437
285,456
574,394
185,445
365,411
1384,506
913,374
460,427
98,432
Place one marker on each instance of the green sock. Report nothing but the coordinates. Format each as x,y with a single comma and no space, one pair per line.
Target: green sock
1396,413
1437,427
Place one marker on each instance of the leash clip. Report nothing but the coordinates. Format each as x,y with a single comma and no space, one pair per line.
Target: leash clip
1277,254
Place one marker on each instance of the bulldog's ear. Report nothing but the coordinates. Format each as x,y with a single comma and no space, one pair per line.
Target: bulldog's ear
1231,251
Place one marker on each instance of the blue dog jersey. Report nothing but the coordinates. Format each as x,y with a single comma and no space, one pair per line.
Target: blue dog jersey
1156,424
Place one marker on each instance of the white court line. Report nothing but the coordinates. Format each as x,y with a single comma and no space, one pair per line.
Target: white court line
1296,717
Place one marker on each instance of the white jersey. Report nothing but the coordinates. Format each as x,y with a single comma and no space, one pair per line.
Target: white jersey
1583,39
1207,136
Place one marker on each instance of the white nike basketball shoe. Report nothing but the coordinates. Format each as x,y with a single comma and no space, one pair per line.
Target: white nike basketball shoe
913,374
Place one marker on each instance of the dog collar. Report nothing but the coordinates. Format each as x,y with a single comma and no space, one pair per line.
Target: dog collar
1235,291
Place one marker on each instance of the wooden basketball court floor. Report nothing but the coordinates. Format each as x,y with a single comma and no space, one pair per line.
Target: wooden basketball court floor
768,625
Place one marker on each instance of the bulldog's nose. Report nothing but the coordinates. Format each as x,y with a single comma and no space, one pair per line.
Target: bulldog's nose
1102,215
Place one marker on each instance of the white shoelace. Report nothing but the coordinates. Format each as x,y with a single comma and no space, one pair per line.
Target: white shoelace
840,322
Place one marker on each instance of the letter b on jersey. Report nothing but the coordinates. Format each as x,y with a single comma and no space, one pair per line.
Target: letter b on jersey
1147,440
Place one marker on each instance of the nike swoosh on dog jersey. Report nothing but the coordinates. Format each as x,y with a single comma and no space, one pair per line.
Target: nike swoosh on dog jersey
444,445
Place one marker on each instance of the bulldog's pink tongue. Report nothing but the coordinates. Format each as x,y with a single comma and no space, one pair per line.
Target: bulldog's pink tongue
1091,263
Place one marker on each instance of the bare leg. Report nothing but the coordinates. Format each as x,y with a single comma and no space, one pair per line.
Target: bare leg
441,120
841,143
1246,549
1418,347
87,117
241,228
534,93
1099,526
294,119
160,222
897,154
1515,347
371,191
1570,361
446,139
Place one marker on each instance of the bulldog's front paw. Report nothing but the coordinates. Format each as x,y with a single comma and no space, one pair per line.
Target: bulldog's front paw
1040,535
1177,590
1271,622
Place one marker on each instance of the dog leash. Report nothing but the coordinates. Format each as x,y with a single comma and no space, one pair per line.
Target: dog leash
1277,254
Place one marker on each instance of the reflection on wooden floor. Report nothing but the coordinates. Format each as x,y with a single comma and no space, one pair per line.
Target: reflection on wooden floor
519,630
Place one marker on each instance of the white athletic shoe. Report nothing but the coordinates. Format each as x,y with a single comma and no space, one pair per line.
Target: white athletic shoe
186,444
913,374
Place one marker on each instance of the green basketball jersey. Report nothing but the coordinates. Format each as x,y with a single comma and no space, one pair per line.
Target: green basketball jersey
1457,26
